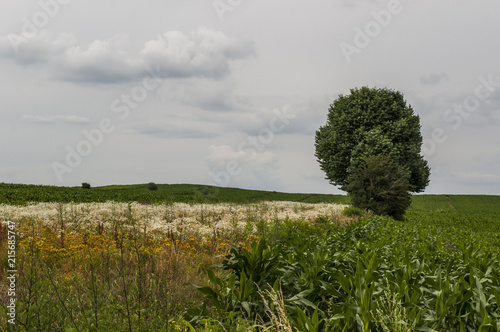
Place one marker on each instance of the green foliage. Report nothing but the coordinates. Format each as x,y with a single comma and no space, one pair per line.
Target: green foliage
152,186
21,194
237,294
380,185
352,211
86,185
370,121
438,271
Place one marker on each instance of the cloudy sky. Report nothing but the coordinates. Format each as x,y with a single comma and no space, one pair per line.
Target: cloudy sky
231,92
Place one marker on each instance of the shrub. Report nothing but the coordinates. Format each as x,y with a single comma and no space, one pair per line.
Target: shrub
152,186
352,211
86,185
206,190
381,185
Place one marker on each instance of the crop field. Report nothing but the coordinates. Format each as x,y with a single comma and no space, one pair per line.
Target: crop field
20,194
197,258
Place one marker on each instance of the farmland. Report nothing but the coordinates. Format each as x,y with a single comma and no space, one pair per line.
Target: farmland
19,194
192,257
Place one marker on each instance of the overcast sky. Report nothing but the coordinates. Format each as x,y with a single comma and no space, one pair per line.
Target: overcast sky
231,92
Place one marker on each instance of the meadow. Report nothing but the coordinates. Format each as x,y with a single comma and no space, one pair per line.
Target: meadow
198,258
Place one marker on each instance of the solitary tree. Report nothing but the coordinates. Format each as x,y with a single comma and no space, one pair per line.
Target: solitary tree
371,122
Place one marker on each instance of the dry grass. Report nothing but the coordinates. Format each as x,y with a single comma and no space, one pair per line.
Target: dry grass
279,320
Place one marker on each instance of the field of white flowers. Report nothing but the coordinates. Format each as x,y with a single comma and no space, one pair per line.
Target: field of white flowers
178,219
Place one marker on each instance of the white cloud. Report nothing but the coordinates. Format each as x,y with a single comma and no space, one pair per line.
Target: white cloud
201,53
101,62
204,53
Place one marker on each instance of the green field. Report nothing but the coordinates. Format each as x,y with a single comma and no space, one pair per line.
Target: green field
20,194
438,270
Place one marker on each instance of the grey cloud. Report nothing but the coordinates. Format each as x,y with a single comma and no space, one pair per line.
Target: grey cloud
495,116
433,78
36,119
203,53
475,178
302,118
207,94
297,118
176,129
249,169
36,50
69,119
491,108
279,120
72,119
355,3
447,110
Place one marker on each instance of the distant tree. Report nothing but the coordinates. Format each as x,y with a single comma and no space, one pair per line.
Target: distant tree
378,183
86,185
152,186
370,122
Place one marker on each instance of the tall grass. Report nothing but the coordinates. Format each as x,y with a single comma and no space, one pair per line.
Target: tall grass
265,267
104,278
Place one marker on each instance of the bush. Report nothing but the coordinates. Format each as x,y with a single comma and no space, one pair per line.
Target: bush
86,185
353,211
379,184
152,186
206,190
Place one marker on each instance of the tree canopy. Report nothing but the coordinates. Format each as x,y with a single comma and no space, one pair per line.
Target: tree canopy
371,122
